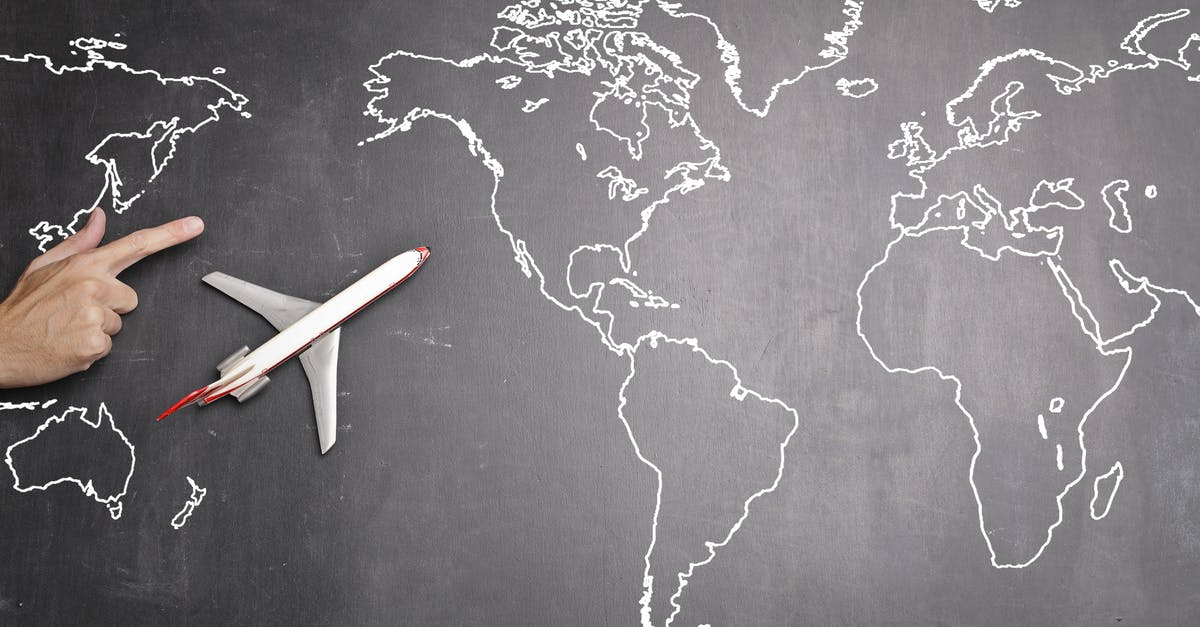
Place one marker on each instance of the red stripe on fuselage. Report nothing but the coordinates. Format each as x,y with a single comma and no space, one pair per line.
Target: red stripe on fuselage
208,399
193,395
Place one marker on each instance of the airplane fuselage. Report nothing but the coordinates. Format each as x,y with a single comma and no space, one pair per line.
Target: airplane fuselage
251,368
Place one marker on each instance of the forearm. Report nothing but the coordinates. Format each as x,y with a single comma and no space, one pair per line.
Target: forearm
15,366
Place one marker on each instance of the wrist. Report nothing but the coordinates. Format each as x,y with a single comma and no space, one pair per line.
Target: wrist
12,366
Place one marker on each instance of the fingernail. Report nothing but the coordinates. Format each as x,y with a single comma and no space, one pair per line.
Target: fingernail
192,225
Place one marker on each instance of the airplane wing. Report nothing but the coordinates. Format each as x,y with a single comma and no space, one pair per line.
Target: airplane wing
320,364
319,361
280,310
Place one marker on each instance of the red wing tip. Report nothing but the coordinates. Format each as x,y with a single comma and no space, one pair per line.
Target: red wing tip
187,400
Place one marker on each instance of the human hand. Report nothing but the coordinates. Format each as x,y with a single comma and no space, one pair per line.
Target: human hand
61,315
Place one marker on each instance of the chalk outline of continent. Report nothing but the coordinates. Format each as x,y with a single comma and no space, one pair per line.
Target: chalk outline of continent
378,88
997,134
169,129
739,392
530,268
837,50
114,504
189,506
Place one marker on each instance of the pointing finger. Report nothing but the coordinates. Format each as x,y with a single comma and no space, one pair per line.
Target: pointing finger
119,255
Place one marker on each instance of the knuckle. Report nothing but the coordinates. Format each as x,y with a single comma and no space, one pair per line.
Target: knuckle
96,346
139,241
90,287
92,315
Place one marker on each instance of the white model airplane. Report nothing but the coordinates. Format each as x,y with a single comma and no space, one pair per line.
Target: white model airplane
302,325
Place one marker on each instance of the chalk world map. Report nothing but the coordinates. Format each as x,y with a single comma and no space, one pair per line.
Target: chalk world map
877,289
640,133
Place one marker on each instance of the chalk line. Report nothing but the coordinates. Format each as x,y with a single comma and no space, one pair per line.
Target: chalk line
857,88
1113,196
113,501
1119,471
534,105
837,50
28,405
190,506
990,5
166,132
687,177
1004,123
738,392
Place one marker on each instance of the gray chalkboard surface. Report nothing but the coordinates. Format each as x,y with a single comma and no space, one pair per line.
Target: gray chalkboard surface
772,313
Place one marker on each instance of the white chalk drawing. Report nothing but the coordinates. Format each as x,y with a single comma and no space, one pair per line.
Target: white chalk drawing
28,405
991,5
1116,474
1128,282
534,105
1066,79
1151,191
739,393
619,184
858,88
1113,195
190,506
163,135
636,75
508,82
838,48
111,497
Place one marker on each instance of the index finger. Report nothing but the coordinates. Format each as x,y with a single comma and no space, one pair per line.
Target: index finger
120,254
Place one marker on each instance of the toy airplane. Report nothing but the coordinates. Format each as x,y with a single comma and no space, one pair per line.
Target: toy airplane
302,325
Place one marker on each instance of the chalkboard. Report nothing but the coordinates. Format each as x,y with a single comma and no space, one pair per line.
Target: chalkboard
773,313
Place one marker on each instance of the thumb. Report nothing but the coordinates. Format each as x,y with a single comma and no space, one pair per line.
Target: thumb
86,238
